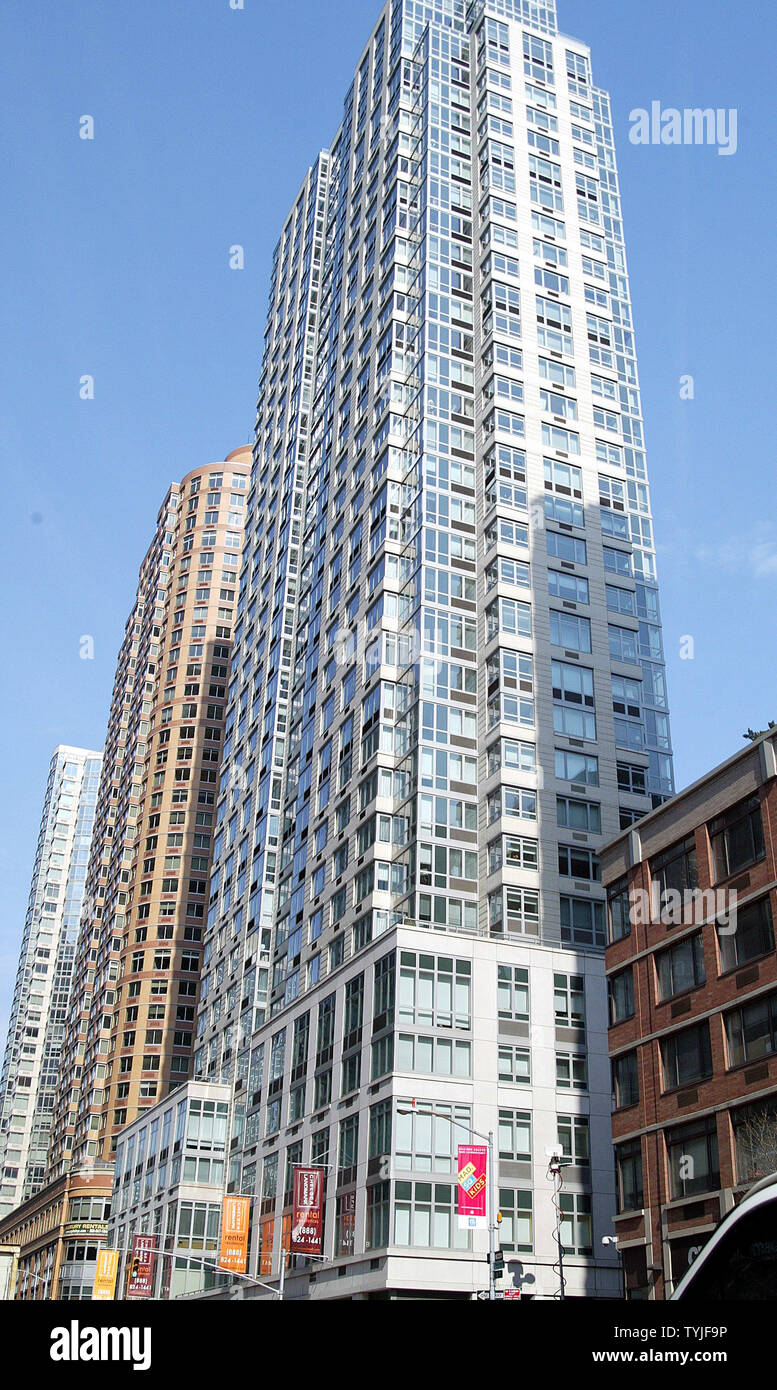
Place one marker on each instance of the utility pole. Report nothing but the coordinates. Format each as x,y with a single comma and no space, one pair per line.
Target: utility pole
492,1222
492,1227
556,1160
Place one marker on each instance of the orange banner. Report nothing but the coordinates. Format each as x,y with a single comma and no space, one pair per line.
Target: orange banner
234,1234
105,1274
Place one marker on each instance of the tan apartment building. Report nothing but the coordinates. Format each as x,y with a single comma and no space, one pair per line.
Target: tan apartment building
692,974
56,1234
136,974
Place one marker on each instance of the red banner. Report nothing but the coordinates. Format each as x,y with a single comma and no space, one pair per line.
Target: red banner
308,1212
472,1185
141,1271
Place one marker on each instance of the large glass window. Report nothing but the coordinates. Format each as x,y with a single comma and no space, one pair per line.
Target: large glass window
751,1030
675,870
753,935
515,1135
625,1080
755,1140
425,1214
513,992
681,967
621,987
737,837
569,1001
434,991
516,1229
686,1056
692,1153
619,920
628,1168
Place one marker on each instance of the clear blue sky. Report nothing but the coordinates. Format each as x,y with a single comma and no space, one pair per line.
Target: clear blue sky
115,259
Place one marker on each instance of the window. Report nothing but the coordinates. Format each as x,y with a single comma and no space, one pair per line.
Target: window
510,752
680,968
751,1031
428,1142
582,921
514,910
378,1215
574,1138
571,632
434,991
577,767
676,870
631,778
509,616
692,1154
686,1056
517,851
569,1001
568,587
576,1236
628,1170
576,862
753,935
623,644
514,1065
515,1231
351,1077
621,990
566,548
619,922
573,697
737,838
425,1215
513,992
563,478
434,1056
755,1139
348,1146
571,1071
515,1135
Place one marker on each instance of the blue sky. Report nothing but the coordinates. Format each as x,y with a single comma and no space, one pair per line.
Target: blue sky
116,265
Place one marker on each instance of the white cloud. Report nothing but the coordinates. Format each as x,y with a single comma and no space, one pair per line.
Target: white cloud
753,554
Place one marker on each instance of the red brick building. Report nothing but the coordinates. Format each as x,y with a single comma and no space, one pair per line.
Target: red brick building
692,976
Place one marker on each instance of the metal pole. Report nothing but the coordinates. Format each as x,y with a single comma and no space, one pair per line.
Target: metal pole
282,1281
558,1238
491,1217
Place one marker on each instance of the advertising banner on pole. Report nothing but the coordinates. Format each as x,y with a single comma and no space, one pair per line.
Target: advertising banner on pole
105,1274
472,1184
346,1210
233,1252
141,1271
308,1210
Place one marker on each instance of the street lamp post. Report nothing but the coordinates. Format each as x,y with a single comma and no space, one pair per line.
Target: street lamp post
556,1162
492,1223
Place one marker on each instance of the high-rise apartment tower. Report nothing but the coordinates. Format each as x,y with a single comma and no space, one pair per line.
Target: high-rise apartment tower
139,951
448,679
37,1025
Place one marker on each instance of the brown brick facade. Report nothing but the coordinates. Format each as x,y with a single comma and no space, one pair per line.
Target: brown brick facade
679,1208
